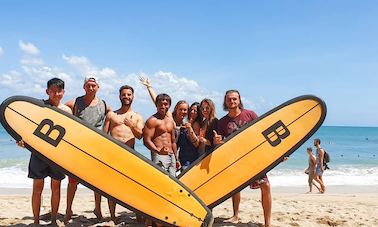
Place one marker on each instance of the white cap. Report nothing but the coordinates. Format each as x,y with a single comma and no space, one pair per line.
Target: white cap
91,77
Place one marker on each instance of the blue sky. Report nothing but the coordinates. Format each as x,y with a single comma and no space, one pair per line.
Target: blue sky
271,51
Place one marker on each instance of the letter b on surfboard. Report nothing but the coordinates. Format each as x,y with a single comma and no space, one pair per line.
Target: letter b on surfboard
275,133
50,135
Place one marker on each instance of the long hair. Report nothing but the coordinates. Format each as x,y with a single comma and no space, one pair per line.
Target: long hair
198,111
174,113
212,112
241,106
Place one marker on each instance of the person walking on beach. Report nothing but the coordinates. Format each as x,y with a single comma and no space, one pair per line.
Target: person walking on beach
311,169
38,169
319,164
93,110
237,117
124,125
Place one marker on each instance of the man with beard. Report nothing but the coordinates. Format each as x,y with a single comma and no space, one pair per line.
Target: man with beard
124,125
237,117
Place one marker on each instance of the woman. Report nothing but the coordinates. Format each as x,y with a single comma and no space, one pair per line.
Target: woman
185,136
193,112
205,125
311,170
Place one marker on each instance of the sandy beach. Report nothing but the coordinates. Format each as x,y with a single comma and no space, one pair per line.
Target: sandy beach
339,206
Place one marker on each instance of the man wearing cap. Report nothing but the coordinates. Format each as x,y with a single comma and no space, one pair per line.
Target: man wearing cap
92,110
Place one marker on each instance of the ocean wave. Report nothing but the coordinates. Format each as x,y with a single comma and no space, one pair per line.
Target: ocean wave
16,177
336,176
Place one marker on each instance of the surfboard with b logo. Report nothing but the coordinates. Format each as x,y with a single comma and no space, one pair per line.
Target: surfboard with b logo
102,163
253,150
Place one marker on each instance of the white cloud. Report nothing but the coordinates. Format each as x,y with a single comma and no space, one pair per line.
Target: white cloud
31,60
1,51
28,48
10,79
85,67
80,63
34,73
181,87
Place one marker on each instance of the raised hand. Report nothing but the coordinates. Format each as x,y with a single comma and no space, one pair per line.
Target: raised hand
145,81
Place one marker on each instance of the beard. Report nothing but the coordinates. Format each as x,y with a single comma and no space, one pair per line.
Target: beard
232,107
126,102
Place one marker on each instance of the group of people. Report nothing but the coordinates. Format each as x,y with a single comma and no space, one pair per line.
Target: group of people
176,139
316,167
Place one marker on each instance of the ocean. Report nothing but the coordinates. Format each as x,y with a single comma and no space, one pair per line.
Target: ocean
353,152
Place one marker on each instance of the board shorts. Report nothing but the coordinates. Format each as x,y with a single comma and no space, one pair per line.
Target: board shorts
256,184
166,162
39,169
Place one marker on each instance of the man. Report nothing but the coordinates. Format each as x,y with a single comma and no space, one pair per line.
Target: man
93,110
319,164
237,117
159,136
124,125
39,169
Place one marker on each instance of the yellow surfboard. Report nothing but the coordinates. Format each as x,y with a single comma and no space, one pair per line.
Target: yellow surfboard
253,150
102,163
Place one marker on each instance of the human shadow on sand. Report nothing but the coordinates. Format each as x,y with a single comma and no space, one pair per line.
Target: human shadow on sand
123,219
218,222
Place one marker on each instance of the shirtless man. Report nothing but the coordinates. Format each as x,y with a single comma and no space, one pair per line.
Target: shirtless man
159,136
124,125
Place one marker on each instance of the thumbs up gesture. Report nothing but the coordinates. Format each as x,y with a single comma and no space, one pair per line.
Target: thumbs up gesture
217,139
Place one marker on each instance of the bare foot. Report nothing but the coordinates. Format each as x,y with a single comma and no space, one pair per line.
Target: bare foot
233,219
68,216
114,219
98,215
54,223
